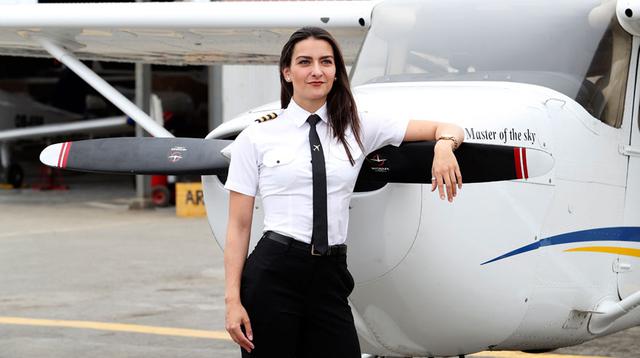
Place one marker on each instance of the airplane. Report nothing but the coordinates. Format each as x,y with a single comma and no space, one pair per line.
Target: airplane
23,118
540,250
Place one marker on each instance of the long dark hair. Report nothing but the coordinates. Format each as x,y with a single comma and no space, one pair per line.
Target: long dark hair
341,106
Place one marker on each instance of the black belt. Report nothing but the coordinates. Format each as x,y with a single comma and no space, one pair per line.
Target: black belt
335,250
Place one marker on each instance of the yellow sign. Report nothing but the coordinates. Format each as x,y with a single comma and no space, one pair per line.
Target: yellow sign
189,200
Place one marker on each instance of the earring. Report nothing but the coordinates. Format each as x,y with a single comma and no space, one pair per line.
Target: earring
288,79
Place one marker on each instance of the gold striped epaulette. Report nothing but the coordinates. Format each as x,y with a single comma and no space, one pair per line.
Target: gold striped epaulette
267,117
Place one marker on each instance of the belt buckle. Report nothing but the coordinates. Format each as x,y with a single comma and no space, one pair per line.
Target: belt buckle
314,252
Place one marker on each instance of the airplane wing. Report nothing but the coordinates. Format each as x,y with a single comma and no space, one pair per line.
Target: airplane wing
93,126
178,33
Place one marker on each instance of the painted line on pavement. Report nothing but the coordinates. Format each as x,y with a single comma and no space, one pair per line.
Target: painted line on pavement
517,354
117,327
77,228
220,335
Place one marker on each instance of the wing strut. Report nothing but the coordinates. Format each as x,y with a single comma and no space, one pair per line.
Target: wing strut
105,89
65,128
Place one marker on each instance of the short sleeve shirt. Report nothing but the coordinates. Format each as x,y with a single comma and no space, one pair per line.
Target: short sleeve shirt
273,159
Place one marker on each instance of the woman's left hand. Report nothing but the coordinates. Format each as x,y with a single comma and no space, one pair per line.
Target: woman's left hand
445,170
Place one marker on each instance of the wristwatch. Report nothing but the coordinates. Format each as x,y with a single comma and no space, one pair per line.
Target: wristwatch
451,138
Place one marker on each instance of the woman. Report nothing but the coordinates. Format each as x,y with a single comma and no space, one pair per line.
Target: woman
289,299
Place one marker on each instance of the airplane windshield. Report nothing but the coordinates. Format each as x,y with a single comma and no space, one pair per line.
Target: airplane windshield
575,47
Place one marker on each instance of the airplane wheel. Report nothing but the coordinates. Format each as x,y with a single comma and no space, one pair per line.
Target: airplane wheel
15,175
539,351
160,196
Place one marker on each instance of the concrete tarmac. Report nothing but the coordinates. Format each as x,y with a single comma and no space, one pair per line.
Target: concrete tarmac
82,255
84,276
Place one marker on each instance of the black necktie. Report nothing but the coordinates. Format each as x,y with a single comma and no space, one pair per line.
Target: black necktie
319,237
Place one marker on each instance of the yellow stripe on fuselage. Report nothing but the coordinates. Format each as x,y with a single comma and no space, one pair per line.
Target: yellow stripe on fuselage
625,251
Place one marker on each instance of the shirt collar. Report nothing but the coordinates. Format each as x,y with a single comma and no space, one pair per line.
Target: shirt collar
299,115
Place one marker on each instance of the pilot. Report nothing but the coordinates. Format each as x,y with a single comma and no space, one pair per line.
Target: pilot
289,297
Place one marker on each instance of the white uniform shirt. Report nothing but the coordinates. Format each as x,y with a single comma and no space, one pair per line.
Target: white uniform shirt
273,159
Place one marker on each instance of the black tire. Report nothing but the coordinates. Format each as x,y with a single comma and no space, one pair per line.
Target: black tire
15,176
160,196
539,351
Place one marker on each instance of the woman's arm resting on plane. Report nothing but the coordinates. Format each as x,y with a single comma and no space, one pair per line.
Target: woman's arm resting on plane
235,254
445,170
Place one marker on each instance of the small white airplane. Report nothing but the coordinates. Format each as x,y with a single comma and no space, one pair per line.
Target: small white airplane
548,257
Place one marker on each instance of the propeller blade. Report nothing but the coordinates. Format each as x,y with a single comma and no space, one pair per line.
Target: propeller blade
130,155
411,163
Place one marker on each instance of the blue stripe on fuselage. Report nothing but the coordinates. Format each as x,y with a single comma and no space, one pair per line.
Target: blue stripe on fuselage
602,234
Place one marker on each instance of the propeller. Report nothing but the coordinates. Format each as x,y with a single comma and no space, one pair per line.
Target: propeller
409,163
130,155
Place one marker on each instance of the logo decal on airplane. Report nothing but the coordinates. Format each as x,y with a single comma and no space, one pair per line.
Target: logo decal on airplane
174,157
378,164
175,153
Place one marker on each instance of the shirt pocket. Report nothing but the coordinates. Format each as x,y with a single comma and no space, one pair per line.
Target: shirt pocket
277,169
338,151
277,157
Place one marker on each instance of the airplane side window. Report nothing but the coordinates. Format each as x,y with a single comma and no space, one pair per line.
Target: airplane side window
603,90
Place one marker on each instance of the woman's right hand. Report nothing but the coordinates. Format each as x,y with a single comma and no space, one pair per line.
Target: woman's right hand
237,317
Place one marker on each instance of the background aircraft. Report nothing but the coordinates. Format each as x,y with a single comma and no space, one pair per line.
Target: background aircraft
22,118
544,261
49,101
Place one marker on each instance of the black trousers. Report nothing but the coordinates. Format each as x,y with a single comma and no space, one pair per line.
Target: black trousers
297,303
